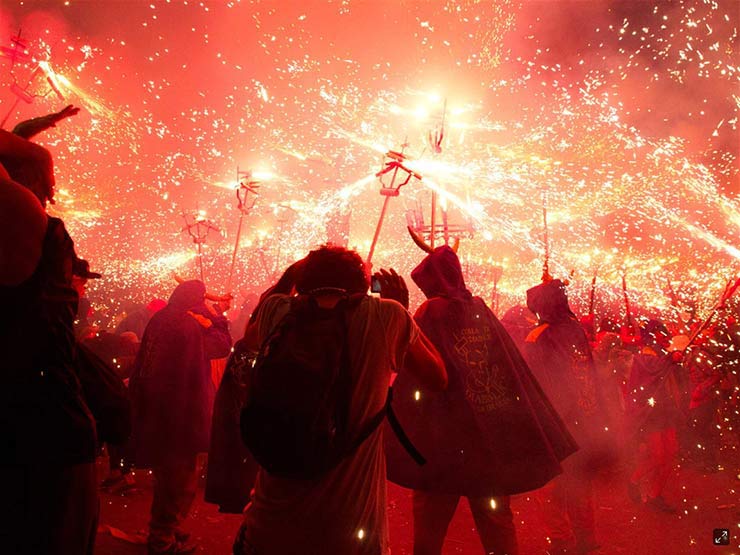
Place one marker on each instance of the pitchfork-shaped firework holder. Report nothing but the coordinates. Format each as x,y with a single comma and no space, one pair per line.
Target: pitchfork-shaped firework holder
393,175
246,195
18,53
198,229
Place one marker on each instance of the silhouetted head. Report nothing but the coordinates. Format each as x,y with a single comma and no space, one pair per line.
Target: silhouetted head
440,275
188,295
34,175
333,267
655,334
549,301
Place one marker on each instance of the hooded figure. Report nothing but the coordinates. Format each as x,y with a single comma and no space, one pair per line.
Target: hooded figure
172,399
493,432
231,467
518,321
171,385
559,354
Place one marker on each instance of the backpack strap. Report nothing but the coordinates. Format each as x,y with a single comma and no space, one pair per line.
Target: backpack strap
344,383
400,434
375,421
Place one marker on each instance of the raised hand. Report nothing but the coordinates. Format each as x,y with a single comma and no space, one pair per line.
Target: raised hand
392,286
34,126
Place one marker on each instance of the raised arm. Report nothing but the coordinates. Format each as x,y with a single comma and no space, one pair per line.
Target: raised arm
32,127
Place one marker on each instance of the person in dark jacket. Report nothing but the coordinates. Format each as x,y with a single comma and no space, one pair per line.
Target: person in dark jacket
172,399
559,354
49,503
491,434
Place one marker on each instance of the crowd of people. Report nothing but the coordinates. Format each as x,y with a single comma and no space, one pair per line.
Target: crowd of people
296,414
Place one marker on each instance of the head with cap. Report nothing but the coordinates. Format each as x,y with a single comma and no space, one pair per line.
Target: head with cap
80,274
81,268
331,267
35,174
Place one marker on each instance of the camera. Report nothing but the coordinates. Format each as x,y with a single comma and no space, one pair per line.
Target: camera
375,285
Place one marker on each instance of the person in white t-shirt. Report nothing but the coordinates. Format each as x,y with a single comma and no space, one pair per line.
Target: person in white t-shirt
343,511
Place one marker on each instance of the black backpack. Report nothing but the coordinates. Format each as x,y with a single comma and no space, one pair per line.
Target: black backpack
294,421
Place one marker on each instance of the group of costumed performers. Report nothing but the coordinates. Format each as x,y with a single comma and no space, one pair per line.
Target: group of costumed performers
510,421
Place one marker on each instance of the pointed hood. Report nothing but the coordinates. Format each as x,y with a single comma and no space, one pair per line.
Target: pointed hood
188,295
440,275
549,301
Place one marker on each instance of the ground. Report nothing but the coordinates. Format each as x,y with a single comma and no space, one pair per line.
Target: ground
707,501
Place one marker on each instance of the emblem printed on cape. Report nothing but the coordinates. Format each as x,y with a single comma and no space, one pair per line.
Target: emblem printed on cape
485,389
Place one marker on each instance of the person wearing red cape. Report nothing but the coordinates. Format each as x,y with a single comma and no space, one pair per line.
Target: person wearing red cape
559,354
491,434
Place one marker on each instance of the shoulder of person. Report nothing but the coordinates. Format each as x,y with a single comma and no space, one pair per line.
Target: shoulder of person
275,302
387,307
25,223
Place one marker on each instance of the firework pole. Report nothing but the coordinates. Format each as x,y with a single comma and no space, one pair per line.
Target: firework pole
18,52
434,219
393,166
377,229
627,312
435,142
245,185
199,248
592,298
445,225
498,271
198,230
672,294
546,264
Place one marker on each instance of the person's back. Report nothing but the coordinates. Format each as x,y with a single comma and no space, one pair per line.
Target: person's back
43,406
343,511
559,355
49,496
352,495
172,398
491,434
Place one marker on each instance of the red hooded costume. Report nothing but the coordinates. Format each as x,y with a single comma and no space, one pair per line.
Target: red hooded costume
171,387
492,432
